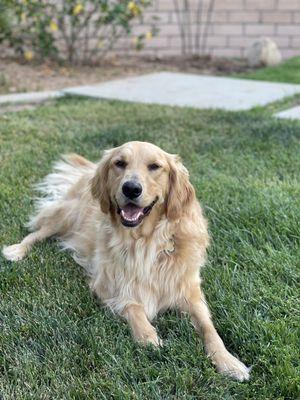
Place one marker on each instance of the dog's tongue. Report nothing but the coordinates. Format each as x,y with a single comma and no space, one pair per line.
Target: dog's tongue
131,212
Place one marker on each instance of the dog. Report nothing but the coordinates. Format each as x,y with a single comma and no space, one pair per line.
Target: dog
134,223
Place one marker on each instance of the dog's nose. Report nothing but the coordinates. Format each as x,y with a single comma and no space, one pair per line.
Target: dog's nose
132,189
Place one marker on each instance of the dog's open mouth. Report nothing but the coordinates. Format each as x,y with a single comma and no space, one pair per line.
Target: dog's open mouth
132,215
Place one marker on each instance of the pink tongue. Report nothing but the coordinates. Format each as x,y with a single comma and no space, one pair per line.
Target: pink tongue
131,211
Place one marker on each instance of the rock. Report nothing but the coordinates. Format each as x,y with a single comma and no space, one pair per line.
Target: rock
265,52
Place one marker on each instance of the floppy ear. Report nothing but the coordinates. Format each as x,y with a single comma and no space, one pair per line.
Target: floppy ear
181,192
99,187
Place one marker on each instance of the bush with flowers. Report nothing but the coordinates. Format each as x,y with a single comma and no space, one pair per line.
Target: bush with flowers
73,30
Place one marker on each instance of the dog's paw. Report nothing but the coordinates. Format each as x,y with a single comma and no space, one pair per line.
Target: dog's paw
152,340
16,252
149,338
229,365
158,342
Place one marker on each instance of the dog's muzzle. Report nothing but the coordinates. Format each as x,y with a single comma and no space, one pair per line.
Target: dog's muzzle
132,215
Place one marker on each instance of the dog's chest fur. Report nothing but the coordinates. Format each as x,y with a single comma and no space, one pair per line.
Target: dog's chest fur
144,270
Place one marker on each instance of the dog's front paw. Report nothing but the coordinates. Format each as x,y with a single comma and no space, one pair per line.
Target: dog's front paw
229,365
149,337
155,341
16,252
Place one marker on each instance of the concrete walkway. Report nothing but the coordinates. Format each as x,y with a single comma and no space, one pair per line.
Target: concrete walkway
291,113
31,97
176,89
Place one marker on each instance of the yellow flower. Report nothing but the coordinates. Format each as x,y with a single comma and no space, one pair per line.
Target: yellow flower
149,35
131,5
28,55
77,9
135,40
100,44
23,17
53,26
133,8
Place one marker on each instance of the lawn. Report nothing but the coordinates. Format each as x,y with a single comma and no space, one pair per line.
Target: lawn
288,71
57,342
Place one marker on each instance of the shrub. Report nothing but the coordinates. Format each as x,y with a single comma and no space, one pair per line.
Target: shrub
75,30
200,11
5,20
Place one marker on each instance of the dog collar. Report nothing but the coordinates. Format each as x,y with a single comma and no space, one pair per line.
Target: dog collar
170,248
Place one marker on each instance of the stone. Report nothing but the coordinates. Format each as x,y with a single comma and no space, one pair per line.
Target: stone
264,52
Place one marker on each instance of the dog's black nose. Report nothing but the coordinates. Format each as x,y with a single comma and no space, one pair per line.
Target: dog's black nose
132,189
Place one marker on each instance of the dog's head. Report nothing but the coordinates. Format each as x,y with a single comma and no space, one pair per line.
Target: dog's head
137,177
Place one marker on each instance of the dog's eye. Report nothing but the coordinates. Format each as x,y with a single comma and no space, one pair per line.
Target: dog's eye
120,164
153,167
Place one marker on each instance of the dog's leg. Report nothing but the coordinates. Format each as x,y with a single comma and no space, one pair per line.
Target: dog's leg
225,363
141,328
17,252
49,221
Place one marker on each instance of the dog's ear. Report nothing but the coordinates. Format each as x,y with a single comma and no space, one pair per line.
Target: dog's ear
181,192
99,183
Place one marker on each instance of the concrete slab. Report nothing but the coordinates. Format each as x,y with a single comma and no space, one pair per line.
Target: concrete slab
183,90
291,113
30,97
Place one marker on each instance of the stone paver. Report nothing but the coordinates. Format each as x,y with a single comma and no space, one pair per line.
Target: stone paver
178,89
291,113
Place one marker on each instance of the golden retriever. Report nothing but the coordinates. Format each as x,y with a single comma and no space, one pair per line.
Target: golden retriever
134,223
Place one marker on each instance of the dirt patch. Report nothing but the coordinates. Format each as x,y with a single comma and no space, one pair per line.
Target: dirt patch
16,77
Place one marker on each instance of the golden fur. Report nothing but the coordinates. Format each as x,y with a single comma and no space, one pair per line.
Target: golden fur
137,271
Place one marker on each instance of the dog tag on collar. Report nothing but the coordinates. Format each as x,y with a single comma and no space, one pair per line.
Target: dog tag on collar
170,247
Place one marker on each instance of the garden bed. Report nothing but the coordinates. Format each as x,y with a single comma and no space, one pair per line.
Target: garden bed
16,77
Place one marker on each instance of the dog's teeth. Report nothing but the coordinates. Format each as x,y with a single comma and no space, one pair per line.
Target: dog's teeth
130,219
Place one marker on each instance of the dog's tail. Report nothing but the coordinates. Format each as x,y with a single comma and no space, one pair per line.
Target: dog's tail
66,173
77,161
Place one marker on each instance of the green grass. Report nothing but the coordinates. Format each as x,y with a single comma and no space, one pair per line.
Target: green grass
57,342
288,71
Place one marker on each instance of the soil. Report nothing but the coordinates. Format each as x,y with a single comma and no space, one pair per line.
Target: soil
16,77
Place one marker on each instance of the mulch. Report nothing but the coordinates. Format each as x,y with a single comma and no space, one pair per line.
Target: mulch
16,77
